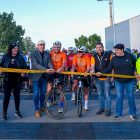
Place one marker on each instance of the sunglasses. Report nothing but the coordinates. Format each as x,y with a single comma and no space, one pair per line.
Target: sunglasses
15,44
79,51
118,44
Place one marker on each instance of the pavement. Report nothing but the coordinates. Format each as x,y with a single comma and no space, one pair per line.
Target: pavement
70,126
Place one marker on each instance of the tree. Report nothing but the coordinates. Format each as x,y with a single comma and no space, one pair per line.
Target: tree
28,44
89,43
9,31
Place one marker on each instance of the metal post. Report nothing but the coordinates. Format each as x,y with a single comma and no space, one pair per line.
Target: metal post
110,7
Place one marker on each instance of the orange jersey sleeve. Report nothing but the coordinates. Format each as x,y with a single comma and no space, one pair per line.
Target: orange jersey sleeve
92,61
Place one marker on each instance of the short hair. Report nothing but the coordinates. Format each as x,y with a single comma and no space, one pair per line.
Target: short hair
99,43
10,47
119,46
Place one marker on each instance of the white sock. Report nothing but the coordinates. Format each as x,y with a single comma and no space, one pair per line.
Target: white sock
73,94
25,87
86,103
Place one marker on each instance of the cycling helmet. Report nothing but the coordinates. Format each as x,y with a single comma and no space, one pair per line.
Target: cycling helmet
128,50
93,51
109,51
80,48
65,50
57,43
21,52
70,49
86,51
52,48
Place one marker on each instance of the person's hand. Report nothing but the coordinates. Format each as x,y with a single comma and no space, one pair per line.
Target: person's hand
66,69
138,77
52,71
98,74
22,74
112,79
60,70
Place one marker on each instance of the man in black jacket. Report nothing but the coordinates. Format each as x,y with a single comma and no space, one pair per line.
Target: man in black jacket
100,62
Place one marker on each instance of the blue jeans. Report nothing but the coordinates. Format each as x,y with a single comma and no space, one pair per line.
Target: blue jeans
104,87
130,97
41,86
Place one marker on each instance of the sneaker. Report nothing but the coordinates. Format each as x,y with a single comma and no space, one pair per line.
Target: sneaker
48,103
117,117
25,90
73,98
5,116
134,118
108,112
137,90
100,111
60,109
18,115
37,114
86,108
43,109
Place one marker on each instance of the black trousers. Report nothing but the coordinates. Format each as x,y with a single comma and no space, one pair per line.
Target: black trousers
7,94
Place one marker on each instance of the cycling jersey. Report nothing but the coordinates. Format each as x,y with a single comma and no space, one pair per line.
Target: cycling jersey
88,55
69,61
81,63
57,59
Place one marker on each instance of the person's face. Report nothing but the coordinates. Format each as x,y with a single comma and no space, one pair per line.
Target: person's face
80,53
99,49
41,47
92,54
57,49
118,52
70,52
15,50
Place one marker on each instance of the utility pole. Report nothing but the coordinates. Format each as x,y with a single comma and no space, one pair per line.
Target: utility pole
110,5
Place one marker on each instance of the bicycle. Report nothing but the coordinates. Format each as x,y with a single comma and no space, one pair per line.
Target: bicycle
55,98
79,96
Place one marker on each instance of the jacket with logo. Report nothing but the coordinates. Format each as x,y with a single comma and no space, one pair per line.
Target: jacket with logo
21,64
123,65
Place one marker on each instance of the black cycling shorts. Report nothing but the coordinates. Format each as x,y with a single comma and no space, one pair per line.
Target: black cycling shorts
54,76
85,81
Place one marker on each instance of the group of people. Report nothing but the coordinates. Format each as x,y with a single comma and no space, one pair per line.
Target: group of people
57,61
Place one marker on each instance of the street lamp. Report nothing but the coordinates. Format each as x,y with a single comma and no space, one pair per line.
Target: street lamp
112,21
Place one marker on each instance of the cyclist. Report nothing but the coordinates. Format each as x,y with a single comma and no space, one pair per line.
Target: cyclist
58,59
87,53
69,62
82,63
65,51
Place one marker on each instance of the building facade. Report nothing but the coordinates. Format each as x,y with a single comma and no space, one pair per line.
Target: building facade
126,32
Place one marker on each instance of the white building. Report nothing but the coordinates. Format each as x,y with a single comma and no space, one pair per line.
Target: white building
126,32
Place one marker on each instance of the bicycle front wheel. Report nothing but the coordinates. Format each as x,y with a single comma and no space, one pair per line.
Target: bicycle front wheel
79,102
56,104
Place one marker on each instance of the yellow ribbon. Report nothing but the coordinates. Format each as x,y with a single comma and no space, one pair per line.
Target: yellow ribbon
66,72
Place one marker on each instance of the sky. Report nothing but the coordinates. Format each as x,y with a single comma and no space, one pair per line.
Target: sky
65,20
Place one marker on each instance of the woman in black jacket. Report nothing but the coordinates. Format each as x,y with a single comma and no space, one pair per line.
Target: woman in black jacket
12,80
123,64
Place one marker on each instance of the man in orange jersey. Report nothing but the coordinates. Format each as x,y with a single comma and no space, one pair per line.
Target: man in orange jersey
82,64
100,62
58,59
